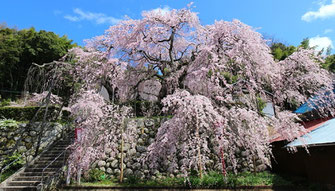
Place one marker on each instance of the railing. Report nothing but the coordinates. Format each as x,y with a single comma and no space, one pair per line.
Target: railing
7,166
31,149
52,162
42,184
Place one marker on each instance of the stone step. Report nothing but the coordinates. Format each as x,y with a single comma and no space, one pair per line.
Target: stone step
59,146
28,178
29,169
19,188
59,149
54,155
23,183
46,162
65,142
55,151
49,158
32,175
64,145
36,173
53,165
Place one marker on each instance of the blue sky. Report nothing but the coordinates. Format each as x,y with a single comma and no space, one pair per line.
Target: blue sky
288,21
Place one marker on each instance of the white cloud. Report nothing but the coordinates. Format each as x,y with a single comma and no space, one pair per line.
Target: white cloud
98,18
71,18
328,31
163,10
325,11
320,43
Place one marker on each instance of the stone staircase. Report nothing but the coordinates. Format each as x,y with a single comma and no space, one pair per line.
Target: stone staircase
30,177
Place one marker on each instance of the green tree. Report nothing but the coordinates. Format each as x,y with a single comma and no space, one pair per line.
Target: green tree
329,63
304,43
280,51
10,51
20,48
329,50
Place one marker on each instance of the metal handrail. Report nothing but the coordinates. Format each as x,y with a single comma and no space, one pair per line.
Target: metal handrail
27,163
7,166
49,179
64,152
10,164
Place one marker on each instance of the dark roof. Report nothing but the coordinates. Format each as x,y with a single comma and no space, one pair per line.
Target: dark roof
315,102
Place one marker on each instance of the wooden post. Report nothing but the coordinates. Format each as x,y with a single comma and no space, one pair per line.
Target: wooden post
113,95
68,176
79,176
121,166
224,172
199,163
254,161
122,145
199,152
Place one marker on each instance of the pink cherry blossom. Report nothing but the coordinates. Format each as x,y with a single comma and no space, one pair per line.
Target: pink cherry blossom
211,77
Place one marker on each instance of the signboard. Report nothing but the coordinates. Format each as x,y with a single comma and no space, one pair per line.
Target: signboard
78,134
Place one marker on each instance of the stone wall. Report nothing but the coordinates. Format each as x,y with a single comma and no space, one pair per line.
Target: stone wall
146,129
25,138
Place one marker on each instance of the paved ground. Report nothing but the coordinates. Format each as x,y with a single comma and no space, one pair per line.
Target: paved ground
105,188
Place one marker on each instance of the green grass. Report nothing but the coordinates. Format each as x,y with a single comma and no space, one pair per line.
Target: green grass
259,179
106,182
210,180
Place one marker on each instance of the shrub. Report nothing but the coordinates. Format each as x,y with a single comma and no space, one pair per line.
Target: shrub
25,113
211,180
66,115
5,102
95,175
8,124
15,165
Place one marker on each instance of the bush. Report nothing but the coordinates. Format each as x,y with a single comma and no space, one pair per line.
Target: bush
8,124
213,180
95,175
17,164
5,102
66,115
25,113
210,180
